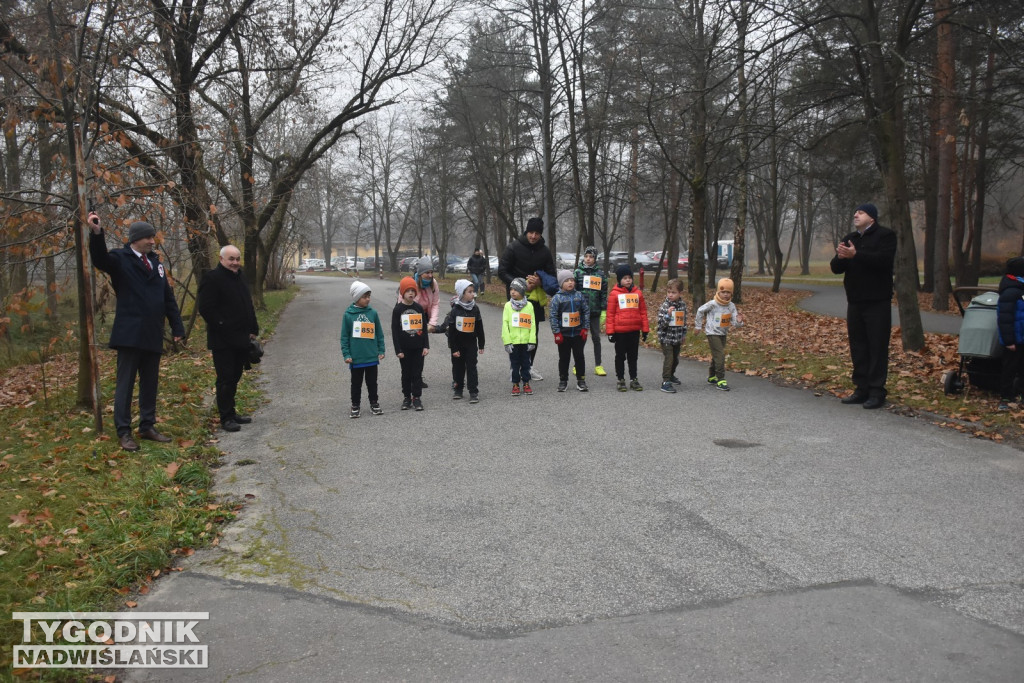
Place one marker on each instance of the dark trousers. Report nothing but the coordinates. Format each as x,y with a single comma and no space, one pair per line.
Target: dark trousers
368,374
627,346
146,366
671,361
595,337
229,364
716,343
412,373
868,325
464,370
1011,380
520,361
573,345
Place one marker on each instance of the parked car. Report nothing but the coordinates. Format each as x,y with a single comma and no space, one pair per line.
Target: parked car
353,263
642,259
565,259
407,264
683,263
460,265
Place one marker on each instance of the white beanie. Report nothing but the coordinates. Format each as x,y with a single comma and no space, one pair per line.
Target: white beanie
358,289
460,287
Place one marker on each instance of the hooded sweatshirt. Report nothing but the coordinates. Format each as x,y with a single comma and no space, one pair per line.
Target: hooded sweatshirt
363,344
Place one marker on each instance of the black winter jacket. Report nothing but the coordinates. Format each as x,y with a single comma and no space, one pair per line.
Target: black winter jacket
868,275
522,258
226,305
144,297
463,341
409,341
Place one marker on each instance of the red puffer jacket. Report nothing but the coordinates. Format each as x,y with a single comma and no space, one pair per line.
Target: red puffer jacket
627,311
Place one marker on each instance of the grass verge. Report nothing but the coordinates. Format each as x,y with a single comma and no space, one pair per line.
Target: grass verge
89,525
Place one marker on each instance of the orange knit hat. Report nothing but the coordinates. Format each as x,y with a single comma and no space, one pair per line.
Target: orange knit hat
406,284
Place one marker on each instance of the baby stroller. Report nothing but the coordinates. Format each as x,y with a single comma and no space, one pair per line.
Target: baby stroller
979,347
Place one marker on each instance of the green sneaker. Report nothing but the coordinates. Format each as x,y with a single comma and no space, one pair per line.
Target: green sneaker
621,385
722,385
635,385
712,380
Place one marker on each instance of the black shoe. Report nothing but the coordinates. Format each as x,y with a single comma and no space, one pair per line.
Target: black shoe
417,404
230,426
855,397
423,384
376,409
474,398
456,394
874,402
562,384
406,403
152,435
128,443
242,419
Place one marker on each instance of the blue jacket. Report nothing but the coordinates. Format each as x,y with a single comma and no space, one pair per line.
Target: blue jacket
568,303
1010,310
144,297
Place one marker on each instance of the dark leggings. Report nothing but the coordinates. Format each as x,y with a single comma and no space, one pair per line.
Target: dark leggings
370,375
412,373
464,370
574,346
627,346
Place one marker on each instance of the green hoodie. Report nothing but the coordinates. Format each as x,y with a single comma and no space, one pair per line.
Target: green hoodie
363,351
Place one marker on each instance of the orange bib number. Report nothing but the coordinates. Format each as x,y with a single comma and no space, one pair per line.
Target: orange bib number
591,282
629,301
363,330
678,319
412,322
522,320
725,320
466,325
571,319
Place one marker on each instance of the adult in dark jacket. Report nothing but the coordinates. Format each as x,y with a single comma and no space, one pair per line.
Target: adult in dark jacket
477,266
865,257
226,305
144,300
523,258
1010,321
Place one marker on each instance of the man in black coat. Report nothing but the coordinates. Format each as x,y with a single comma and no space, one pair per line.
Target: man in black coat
477,266
226,305
523,258
865,257
144,299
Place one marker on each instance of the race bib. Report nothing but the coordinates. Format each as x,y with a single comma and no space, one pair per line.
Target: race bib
725,320
592,282
678,319
363,330
522,320
160,269
571,319
630,300
466,325
412,322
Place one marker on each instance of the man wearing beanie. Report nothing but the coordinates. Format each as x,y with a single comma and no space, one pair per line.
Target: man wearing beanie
866,258
226,305
525,257
144,300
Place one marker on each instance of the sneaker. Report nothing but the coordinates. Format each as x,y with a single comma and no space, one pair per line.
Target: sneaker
406,403
562,384
574,370
712,380
515,389
667,387
582,386
376,409
599,371
634,384
474,398
526,389
675,380
722,385
535,376
456,394
423,384
621,385
417,404
354,413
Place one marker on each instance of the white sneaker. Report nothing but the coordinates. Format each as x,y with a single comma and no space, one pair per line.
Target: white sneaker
535,376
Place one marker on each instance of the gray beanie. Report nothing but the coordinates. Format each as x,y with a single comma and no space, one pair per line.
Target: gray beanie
562,276
424,264
140,230
358,289
518,284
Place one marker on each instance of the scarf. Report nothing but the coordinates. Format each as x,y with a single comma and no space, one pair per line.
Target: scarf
518,305
468,305
720,301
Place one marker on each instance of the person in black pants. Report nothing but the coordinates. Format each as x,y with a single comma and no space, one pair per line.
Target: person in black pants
226,305
525,257
144,300
1010,321
865,257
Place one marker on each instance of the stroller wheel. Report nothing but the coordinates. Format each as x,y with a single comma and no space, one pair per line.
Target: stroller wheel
951,383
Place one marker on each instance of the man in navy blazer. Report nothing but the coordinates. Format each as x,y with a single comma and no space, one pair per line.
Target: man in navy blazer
144,300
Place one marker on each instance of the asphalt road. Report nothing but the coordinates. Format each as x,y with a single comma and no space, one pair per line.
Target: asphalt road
764,534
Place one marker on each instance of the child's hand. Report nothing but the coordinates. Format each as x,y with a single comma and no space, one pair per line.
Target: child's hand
348,360
481,352
380,356
425,352
401,355
456,354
